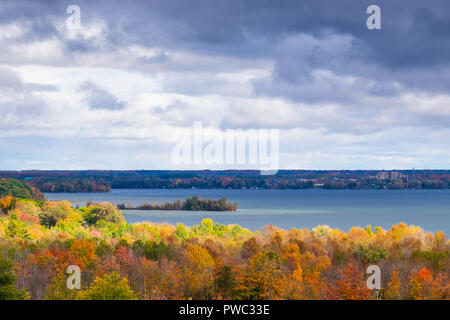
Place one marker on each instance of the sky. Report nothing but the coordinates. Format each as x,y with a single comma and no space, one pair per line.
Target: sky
118,92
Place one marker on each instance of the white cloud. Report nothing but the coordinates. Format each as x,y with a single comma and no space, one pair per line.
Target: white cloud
11,31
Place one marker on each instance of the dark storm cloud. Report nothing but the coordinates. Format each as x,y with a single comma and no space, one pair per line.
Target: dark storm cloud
414,39
411,30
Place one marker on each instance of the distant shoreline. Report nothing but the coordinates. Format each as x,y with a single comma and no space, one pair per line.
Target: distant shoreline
255,189
105,180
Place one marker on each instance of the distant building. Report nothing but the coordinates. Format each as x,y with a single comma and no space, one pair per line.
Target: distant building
391,175
318,185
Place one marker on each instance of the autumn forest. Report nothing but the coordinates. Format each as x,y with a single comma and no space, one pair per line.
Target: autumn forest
40,239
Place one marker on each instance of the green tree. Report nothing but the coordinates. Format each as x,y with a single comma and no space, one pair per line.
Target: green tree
371,253
225,282
16,228
7,281
55,212
181,232
58,290
109,287
207,226
15,188
103,211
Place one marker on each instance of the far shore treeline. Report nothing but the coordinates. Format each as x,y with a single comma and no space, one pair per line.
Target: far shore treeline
190,204
105,180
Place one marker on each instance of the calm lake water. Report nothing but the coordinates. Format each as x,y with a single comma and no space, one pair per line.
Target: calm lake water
287,209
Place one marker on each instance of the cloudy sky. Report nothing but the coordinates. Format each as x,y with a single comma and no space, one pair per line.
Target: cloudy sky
112,94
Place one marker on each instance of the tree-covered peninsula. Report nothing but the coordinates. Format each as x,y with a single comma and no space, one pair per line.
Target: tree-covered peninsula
189,204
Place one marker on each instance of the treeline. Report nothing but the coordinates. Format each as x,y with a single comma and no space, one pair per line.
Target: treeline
190,204
40,240
103,181
76,185
388,184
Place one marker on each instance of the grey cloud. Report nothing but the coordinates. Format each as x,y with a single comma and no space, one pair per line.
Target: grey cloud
21,109
98,98
10,80
18,102
414,36
233,26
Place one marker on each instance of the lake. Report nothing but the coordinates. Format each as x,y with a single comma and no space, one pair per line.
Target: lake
343,209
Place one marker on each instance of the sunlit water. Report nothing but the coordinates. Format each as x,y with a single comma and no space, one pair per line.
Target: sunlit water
287,209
